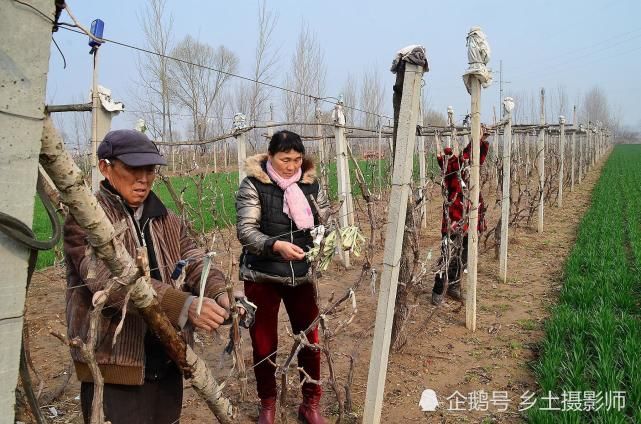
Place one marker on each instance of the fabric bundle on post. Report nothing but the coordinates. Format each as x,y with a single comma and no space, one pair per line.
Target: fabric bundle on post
414,53
478,56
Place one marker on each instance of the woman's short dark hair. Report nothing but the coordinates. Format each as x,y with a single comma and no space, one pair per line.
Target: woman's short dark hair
284,141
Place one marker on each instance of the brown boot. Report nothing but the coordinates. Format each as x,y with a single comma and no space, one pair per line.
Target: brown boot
267,411
309,411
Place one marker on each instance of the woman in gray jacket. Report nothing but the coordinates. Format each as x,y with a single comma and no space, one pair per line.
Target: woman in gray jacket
275,215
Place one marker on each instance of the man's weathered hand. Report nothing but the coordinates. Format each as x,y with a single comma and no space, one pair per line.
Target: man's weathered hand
223,300
211,316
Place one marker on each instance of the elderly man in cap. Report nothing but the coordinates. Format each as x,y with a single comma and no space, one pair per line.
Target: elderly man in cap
142,385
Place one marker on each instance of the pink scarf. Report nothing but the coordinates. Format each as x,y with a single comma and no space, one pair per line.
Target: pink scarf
295,205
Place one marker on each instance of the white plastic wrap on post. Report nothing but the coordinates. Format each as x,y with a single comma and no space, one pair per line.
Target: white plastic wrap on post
508,105
110,105
140,125
478,56
338,117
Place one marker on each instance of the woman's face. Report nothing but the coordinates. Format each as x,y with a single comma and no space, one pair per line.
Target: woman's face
286,164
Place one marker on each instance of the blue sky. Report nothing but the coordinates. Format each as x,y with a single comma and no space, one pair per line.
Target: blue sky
542,43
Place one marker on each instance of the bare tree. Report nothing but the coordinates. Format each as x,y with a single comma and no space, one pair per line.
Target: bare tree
562,99
434,117
265,61
307,75
349,98
595,107
154,99
198,80
252,98
372,96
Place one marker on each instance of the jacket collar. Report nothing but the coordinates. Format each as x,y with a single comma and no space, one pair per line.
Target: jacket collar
153,206
255,167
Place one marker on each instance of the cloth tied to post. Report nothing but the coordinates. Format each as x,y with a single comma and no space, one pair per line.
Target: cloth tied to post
508,104
413,54
108,104
478,56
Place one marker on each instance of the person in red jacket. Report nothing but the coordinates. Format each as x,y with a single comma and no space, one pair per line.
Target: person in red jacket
455,185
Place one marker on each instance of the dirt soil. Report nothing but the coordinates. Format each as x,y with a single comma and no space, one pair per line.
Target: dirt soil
441,354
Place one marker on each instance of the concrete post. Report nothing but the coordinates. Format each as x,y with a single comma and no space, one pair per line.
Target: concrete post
475,190
96,176
342,168
422,171
321,150
402,175
540,154
450,123
508,105
573,141
562,154
241,144
26,38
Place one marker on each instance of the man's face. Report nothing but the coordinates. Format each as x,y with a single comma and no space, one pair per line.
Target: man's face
286,164
133,184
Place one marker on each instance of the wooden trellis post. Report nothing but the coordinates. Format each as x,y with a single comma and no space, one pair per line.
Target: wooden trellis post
422,171
508,105
401,179
241,145
562,155
540,152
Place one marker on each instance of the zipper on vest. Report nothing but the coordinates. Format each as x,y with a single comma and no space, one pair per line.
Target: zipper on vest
291,239
134,223
159,262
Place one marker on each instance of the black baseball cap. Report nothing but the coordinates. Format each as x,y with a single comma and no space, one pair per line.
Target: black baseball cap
131,147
